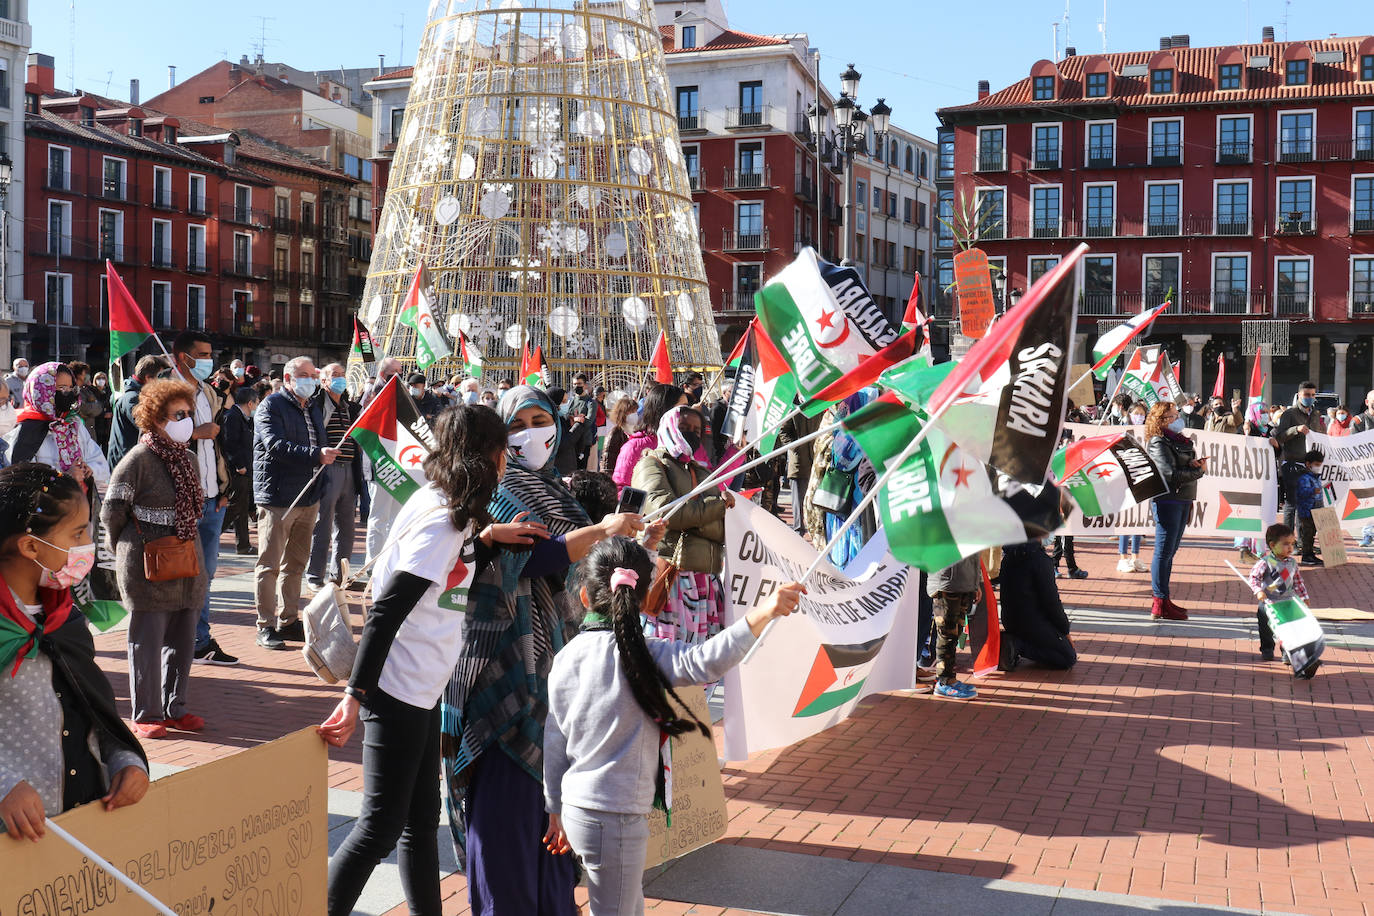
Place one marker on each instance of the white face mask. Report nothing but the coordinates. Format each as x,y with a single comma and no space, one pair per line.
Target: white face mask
180,430
1137,418
22,371
532,448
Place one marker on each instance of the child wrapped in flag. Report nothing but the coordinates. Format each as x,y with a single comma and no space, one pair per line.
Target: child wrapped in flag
1282,614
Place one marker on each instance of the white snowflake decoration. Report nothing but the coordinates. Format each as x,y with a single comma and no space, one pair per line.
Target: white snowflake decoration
458,323
574,39
580,346
434,156
415,235
550,238
682,223
545,158
575,240
495,202
590,124
485,121
685,309
486,325
542,122
525,268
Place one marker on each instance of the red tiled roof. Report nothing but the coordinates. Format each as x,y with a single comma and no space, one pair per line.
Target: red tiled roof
1195,79
725,41
399,73
102,134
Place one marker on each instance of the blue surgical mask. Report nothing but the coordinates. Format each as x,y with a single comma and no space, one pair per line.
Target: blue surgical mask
203,368
1177,425
305,387
1308,401
338,385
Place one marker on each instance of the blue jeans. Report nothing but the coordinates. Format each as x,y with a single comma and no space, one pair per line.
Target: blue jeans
1128,543
211,524
1171,517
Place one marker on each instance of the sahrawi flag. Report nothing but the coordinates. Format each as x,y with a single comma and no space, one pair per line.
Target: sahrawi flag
763,392
939,506
1107,474
834,336
363,347
1256,393
472,359
1111,345
1359,504
1004,401
129,327
417,313
396,439
1149,376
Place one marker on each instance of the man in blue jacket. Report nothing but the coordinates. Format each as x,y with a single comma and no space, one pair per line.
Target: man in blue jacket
289,443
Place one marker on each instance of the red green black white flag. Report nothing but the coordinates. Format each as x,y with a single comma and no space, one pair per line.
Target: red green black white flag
396,438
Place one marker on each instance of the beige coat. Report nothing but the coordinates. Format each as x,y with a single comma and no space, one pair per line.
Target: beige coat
700,524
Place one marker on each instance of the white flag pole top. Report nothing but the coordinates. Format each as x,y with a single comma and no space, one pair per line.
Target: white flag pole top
106,866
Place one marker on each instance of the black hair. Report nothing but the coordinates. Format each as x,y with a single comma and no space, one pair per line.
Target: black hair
1313,455
622,606
416,378
34,498
580,375
1308,384
461,463
187,339
557,395
246,394
695,377
595,491
657,402
1276,532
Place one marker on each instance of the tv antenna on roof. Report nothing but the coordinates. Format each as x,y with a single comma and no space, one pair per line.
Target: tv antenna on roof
1102,26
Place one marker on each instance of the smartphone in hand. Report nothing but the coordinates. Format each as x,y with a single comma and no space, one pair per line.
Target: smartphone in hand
631,500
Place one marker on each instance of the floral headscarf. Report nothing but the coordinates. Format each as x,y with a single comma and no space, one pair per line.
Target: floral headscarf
670,433
40,391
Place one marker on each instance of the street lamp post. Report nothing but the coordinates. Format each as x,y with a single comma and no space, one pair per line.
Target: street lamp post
6,174
851,128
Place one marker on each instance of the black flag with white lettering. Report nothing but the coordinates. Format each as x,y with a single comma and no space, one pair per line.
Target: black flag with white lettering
742,391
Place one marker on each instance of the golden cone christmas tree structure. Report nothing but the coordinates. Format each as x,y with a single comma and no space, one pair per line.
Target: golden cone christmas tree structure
539,176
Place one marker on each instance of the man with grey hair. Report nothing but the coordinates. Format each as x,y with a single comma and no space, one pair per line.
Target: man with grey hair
339,482
14,381
289,442
1365,421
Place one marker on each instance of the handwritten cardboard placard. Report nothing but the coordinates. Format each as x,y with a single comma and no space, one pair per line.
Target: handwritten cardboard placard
1082,394
1330,537
973,280
244,835
699,814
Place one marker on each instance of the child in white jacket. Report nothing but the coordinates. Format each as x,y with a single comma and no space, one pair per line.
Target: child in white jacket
609,719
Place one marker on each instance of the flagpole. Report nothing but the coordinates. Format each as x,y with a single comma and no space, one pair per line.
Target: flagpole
320,470
106,866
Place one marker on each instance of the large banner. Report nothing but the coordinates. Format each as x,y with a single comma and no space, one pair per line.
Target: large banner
854,634
1348,477
244,836
1237,497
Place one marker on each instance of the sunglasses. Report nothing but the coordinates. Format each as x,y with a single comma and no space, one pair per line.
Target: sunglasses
182,414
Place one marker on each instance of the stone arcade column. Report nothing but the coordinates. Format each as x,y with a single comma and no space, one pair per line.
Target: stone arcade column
1341,384
1314,360
1195,344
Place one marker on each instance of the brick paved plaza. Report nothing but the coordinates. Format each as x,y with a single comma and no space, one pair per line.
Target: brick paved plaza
1170,763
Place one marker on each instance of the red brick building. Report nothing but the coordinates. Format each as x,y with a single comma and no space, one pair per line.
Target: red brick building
1242,177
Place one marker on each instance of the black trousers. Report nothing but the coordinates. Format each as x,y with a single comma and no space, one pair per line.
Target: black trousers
400,803
1063,548
240,509
1266,635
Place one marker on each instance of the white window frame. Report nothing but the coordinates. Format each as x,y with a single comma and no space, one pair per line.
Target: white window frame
166,225
1354,117
1059,147
1083,276
1144,278
978,193
152,302
193,251
1032,258
1212,283
119,230
235,203
1145,203
1150,137
1278,130
1087,140
204,309
65,230
1311,183
233,250
763,162
978,148
1311,273
1115,209
67,172
695,147
1350,283
68,310
734,279
124,176
162,170
1059,228
1249,201
191,198
1353,178
1233,116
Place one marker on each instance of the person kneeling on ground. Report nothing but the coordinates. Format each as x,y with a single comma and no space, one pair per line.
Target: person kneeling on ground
955,591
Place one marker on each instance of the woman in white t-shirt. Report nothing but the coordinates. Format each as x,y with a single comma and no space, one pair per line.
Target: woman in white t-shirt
410,644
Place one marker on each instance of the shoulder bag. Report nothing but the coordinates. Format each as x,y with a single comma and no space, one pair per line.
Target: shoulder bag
833,491
168,558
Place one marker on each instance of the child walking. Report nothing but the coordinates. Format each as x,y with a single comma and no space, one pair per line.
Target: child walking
609,713
1275,576
62,740
955,591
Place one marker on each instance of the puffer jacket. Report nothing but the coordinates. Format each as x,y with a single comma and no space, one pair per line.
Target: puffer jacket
1175,462
700,524
282,457
634,448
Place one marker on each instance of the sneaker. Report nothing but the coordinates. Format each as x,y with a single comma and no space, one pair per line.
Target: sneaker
1057,573
149,729
186,722
214,655
1140,567
1078,574
314,582
925,675
1367,541
955,691
1125,565
268,638
1312,561
292,632
247,552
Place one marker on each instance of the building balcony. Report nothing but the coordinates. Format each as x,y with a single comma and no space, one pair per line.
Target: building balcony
197,206
1161,225
1361,304
1101,157
1296,223
1251,302
335,235
1346,149
802,242
992,231
246,327
337,335
694,180
55,179
110,189
749,179
1045,160
832,210
1293,305
1362,222
805,187
118,252
243,216
162,260
991,161
241,267
755,118
1296,150
16,33
195,263
1235,153
1166,154
734,240
167,200
691,123
739,303
17,311
283,225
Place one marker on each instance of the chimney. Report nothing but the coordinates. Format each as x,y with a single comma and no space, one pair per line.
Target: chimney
1165,42
1179,41
133,92
1070,51
1268,34
171,76
984,88
43,72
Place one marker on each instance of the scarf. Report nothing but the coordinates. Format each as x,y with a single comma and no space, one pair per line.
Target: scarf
40,390
20,636
186,478
670,435
498,694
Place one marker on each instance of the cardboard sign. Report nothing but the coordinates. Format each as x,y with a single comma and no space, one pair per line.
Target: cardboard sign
244,835
1330,537
698,796
1082,394
973,280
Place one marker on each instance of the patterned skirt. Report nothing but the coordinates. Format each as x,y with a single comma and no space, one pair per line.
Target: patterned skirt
695,610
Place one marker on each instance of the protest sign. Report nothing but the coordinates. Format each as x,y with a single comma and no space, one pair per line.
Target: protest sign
854,633
1347,477
973,279
1330,537
1083,393
1237,497
698,796
243,836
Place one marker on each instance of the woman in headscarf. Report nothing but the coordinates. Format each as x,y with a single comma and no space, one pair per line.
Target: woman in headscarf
841,453
657,402
521,607
696,532
49,430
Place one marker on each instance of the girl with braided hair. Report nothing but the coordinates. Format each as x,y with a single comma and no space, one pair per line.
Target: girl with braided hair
60,731
605,737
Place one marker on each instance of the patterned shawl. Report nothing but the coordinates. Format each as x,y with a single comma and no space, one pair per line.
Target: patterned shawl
40,390
498,694
186,477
